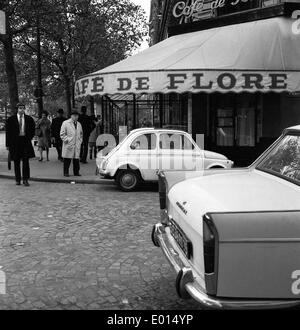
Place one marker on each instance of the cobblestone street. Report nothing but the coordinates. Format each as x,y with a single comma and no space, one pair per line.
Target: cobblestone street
82,247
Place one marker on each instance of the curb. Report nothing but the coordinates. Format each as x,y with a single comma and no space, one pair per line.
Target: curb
68,181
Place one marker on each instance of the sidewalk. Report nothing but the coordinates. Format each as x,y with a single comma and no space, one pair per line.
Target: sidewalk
50,171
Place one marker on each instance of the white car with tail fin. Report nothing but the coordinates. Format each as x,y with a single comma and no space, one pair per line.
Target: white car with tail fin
233,237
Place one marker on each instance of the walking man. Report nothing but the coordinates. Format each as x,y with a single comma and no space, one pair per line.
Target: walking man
86,124
20,130
72,136
55,132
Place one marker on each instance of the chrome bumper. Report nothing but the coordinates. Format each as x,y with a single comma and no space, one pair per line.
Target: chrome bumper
188,288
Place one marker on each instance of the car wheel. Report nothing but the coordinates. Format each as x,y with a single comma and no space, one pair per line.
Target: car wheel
128,180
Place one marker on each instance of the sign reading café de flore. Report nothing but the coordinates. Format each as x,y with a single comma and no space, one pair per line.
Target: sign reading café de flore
187,81
186,11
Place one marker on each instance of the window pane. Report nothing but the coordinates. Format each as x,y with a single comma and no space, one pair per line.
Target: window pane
284,159
144,142
226,112
170,141
225,122
246,127
187,144
246,106
225,137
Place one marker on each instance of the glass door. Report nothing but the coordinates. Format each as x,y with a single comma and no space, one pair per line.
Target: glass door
235,126
245,127
225,127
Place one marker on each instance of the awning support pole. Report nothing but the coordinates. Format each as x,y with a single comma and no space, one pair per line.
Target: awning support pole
134,112
190,113
161,115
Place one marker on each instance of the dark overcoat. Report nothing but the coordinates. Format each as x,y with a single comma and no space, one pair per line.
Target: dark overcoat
86,124
56,126
12,138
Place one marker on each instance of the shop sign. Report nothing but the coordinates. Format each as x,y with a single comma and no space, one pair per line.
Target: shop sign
185,10
187,81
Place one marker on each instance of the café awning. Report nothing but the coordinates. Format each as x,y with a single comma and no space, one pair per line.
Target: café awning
249,57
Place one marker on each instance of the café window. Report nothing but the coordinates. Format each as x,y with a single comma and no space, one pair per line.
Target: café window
175,113
237,120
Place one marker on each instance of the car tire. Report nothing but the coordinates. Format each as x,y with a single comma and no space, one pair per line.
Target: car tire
128,180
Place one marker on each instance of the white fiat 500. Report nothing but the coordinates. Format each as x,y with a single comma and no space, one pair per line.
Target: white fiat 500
146,151
233,237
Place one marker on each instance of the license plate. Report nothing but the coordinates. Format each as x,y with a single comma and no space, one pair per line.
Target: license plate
181,239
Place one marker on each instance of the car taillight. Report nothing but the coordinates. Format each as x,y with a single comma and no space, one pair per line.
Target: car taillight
162,191
209,245
211,251
162,188
104,165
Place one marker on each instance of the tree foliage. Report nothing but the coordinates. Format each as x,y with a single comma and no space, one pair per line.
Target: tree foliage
77,37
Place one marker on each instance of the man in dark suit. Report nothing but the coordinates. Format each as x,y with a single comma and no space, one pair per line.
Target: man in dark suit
55,132
20,130
86,124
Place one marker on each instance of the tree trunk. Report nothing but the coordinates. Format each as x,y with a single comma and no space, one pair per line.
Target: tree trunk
39,69
68,95
11,72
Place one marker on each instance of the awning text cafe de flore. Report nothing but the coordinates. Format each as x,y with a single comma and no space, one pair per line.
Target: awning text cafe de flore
260,56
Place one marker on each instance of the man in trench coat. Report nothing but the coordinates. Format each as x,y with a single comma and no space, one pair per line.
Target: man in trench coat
72,136
20,130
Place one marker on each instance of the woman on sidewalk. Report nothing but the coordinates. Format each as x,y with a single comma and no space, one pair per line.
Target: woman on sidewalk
94,135
43,132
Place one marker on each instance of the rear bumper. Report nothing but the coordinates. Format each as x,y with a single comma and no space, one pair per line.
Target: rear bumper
105,175
187,287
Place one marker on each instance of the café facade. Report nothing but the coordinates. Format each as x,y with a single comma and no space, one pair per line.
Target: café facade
226,69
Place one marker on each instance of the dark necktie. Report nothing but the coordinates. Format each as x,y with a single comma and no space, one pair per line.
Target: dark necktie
75,124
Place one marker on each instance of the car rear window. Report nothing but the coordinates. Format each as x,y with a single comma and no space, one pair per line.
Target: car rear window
144,142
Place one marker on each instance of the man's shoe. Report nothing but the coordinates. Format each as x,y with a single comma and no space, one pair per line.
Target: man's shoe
26,184
84,162
18,183
67,175
77,174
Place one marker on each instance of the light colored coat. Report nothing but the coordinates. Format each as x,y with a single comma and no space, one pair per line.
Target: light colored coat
72,139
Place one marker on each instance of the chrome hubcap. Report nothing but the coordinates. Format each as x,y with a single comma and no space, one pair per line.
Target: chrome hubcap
128,180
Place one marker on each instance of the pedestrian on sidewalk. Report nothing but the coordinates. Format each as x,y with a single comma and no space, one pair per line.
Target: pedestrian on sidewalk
55,132
72,137
86,124
43,132
20,130
94,135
